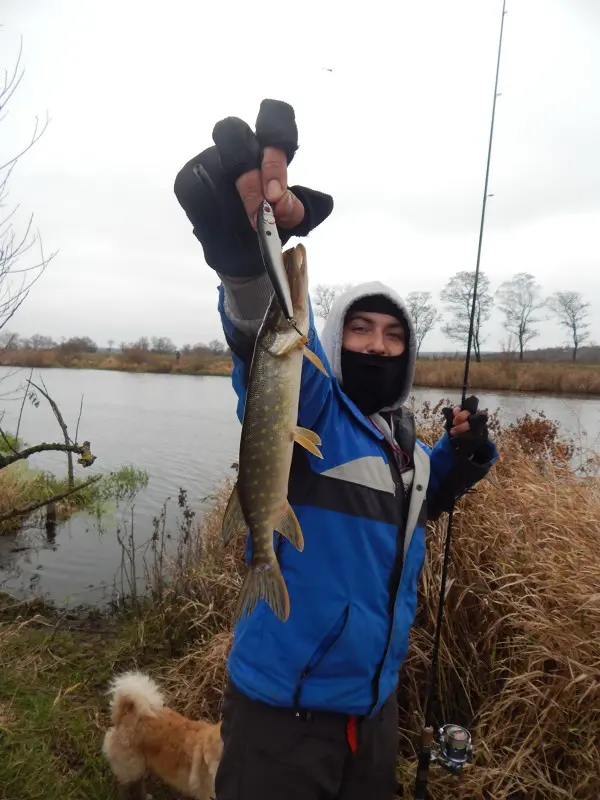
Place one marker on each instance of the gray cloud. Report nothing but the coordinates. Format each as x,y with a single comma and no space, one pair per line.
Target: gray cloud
397,133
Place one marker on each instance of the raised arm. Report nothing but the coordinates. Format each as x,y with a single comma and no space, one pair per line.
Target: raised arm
220,191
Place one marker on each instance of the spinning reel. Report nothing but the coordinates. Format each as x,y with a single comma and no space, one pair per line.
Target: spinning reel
452,748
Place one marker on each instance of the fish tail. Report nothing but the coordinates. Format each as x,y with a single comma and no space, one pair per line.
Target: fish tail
264,582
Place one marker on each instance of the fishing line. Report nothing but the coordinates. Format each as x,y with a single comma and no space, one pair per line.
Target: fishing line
453,747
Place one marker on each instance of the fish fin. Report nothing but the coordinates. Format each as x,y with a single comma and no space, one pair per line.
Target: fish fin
265,583
314,359
308,442
290,528
308,434
287,343
233,519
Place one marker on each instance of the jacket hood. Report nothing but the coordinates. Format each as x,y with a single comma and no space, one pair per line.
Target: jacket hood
332,335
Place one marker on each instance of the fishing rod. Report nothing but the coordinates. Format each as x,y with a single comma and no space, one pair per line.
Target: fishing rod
452,748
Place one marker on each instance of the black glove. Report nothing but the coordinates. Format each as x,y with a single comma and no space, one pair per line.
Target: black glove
205,188
474,443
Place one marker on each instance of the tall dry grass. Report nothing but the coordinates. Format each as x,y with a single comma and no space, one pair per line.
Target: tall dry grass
520,659
521,655
508,375
499,375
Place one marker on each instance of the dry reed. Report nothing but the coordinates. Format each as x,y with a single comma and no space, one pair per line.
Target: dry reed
520,659
133,360
494,375
508,375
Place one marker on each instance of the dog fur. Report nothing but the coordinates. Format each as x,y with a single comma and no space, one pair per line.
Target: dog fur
148,736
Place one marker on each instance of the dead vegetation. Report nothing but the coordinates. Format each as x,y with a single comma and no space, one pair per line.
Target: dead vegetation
520,663
133,360
497,375
520,659
510,375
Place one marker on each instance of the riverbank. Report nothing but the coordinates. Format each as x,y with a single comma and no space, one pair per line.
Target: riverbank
503,375
130,361
23,492
511,376
522,622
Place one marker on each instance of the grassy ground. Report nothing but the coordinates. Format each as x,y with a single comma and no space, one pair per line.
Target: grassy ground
52,710
553,378
519,662
55,668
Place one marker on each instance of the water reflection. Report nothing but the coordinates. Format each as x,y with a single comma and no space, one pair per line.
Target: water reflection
184,431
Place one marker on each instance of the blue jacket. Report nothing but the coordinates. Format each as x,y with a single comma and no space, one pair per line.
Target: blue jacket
353,589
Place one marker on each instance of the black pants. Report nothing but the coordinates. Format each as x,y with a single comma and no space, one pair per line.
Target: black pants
273,754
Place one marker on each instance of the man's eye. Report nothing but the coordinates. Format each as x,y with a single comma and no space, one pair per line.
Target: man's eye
359,329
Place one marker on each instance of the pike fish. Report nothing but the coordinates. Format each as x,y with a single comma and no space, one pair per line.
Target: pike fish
269,429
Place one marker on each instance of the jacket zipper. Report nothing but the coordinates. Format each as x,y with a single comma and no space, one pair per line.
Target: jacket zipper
398,568
309,669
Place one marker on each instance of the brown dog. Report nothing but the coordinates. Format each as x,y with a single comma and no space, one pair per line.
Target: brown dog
148,736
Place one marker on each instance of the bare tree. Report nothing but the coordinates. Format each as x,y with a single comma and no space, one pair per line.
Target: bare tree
519,300
143,343
163,345
457,296
572,313
508,346
324,295
216,347
425,316
9,341
78,344
40,342
19,267
19,270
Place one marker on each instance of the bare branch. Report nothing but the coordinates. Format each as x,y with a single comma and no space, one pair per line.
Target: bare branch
63,427
572,313
23,405
11,84
17,279
35,137
79,418
9,343
29,509
324,296
86,460
519,300
457,295
424,315
7,441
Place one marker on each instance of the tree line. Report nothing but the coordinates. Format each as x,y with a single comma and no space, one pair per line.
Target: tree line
159,345
519,300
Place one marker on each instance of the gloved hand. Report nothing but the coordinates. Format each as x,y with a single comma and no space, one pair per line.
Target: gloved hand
468,430
221,189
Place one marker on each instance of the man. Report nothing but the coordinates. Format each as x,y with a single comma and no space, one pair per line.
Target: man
310,707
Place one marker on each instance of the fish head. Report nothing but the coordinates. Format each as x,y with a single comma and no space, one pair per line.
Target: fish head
278,335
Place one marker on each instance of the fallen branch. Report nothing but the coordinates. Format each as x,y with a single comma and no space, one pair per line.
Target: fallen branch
86,460
63,428
18,512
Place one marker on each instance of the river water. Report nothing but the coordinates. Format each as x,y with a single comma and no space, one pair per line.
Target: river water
184,431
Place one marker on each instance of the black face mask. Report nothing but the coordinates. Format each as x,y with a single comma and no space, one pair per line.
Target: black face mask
373,382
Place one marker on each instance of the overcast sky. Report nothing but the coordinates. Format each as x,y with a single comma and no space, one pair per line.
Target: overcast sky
397,133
